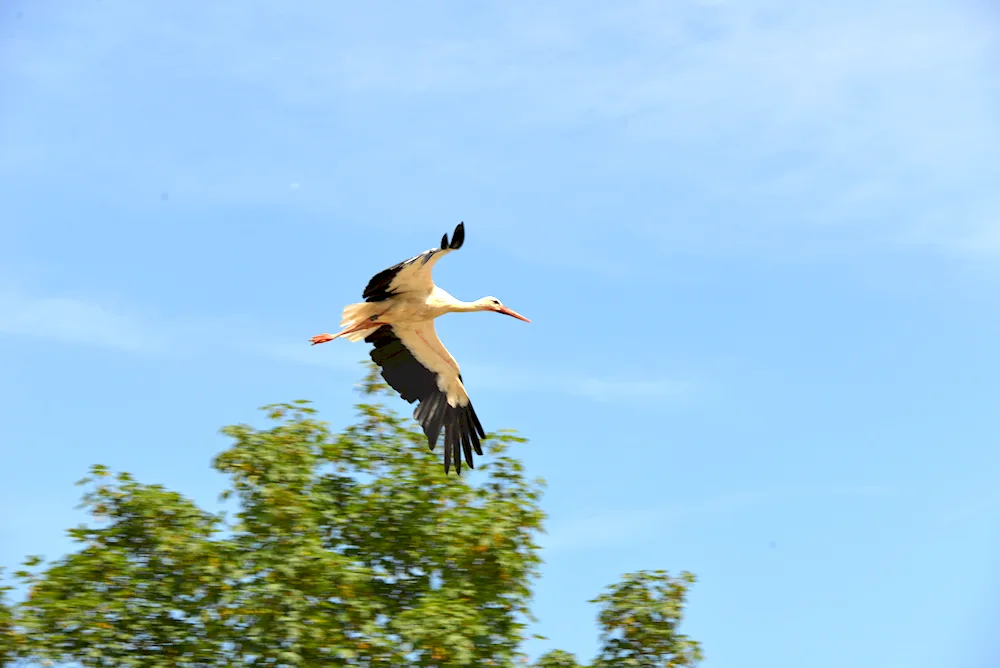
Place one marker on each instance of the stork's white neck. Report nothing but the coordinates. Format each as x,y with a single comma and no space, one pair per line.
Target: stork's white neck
449,304
458,306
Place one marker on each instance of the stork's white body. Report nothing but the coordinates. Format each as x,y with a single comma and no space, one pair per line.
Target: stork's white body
398,317
410,306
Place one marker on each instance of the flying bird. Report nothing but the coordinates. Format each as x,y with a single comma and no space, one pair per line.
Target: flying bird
397,317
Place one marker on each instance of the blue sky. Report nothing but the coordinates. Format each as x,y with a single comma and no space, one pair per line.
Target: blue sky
759,243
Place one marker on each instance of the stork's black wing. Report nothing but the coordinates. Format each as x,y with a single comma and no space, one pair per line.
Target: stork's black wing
412,274
417,382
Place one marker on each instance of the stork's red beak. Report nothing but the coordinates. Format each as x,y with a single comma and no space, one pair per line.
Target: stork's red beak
512,313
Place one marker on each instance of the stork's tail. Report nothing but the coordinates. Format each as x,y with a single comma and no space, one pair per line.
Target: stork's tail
355,315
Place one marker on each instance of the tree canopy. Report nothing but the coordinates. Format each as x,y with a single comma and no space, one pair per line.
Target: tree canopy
345,549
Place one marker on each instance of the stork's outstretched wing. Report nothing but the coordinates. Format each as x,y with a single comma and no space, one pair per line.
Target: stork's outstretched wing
417,365
413,275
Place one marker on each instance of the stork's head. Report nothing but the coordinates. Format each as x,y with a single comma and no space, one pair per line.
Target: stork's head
493,304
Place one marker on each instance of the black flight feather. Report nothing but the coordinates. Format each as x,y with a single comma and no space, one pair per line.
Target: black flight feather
458,237
378,289
417,383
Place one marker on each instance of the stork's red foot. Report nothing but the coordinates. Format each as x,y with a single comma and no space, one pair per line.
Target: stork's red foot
322,338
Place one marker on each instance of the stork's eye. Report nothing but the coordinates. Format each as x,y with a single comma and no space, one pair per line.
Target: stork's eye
497,302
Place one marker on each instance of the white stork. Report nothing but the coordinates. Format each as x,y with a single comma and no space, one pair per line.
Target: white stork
397,316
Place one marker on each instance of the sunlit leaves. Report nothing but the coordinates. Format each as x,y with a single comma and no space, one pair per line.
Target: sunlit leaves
639,619
557,659
346,549
10,639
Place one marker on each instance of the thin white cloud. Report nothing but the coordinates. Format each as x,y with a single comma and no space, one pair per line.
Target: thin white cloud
81,322
508,378
973,507
300,353
72,320
626,524
878,117
619,388
85,321
88,322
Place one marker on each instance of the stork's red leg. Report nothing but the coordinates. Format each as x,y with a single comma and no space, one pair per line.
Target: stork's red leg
370,323
322,338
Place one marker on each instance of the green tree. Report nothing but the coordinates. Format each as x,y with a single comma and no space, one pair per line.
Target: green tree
9,638
345,549
557,658
639,621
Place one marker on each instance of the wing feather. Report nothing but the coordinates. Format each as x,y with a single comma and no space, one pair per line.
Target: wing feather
420,368
413,275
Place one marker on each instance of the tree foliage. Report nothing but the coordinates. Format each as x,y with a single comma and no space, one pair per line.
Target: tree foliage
557,658
9,638
639,621
347,549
